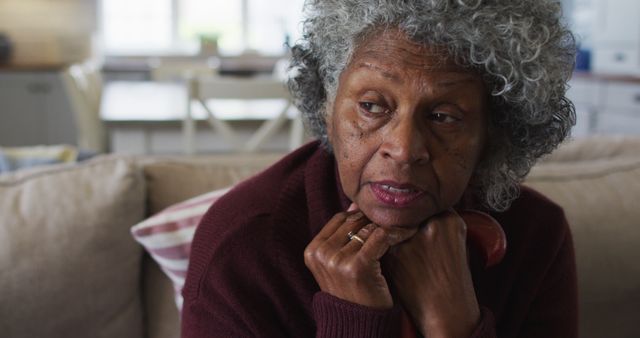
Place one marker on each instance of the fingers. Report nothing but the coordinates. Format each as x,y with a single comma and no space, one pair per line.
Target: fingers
376,241
333,237
352,224
348,268
363,233
383,239
376,246
336,222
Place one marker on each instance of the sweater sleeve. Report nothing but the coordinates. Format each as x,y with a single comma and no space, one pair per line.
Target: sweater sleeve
199,322
215,302
232,288
554,310
339,318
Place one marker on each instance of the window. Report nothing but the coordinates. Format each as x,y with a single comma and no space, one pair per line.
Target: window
272,23
215,18
132,27
176,26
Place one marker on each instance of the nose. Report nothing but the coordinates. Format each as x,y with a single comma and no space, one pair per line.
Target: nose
405,142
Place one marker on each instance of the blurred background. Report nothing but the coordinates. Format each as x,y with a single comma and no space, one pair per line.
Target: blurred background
147,76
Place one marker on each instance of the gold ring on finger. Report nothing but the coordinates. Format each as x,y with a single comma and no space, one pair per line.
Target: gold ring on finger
353,236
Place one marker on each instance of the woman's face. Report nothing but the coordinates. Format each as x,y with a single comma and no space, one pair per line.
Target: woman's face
407,127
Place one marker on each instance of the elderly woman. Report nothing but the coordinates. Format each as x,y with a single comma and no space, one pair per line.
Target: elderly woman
422,109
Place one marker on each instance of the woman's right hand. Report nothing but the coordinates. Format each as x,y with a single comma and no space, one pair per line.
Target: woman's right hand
351,270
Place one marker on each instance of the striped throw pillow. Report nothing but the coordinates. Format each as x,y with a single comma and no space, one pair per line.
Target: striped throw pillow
167,236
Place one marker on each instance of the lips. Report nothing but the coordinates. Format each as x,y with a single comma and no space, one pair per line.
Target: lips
396,194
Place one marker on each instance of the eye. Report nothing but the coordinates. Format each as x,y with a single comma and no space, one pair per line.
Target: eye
373,108
442,117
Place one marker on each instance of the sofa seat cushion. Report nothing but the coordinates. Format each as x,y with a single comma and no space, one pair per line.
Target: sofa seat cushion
69,266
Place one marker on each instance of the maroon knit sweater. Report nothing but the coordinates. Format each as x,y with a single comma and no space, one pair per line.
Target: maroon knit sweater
247,276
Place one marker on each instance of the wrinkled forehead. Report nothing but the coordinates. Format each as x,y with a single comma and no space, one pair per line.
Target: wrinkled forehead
391,47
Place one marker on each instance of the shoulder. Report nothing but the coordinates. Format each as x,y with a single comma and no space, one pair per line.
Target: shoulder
533,209
533,202
260,193
535,224
250,203
535,282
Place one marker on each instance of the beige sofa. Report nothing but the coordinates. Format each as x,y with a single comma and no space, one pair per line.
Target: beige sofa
70,268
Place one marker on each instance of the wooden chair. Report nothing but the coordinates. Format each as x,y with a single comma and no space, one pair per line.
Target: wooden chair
203,89
83,84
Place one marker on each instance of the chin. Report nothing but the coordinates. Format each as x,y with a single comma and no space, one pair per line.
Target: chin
389,218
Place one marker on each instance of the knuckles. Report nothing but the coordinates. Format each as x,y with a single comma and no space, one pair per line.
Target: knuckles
321,256
315,255
351,271
309,257
322,259
443,223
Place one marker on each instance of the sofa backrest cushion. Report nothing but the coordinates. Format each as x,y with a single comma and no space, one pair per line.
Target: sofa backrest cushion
171,181
174,180
600,194
596,148
68,263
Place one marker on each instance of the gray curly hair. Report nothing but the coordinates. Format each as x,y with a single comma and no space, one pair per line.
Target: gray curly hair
521,47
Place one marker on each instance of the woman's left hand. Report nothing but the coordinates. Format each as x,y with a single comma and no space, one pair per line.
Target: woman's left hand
430,274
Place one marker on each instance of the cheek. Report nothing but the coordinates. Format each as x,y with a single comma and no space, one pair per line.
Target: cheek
347,148
466,151
457,171
349,141
346,125
465,158
345,134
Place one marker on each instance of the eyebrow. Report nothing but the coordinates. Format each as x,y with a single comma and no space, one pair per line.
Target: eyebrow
465,78
391,76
